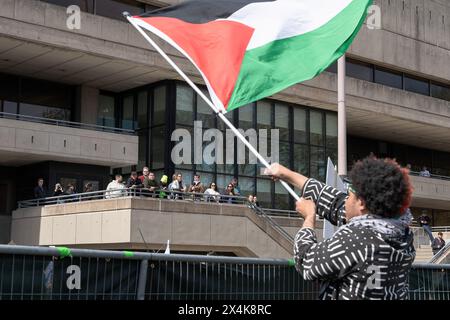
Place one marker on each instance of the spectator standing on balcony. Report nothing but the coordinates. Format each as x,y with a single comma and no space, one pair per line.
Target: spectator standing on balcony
173,186
150,183
70,191
424,222
425,172
196,187
145,172
88,187
370,255
39,191
438,243
229,193
115,188
236,188
250,201
163,187
255,201
211,194
59,191
133,181
177,185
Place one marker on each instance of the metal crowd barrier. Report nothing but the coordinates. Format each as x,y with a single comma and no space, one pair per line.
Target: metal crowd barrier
41,273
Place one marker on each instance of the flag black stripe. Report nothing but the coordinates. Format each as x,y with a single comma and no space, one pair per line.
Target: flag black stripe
201,11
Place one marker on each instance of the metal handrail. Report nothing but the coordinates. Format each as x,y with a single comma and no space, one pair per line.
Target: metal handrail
64,123
272,222
86,253
131,192
432,176
441,253
281,213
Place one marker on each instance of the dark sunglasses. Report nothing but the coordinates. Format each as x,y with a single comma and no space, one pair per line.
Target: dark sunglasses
351,189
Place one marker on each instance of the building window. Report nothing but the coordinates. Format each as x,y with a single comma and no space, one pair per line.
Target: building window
185,105
307,137
388,78
417,85
128,112
106,111
264,192
9,93
45,99
264,115
142,110
204,112
318,163
332,68
301,159
440,91
159,105
282,121
316,128
331,130
158,147
300,128
36,98
359,70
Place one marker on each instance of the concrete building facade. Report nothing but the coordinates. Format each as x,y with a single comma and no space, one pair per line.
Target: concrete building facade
78,105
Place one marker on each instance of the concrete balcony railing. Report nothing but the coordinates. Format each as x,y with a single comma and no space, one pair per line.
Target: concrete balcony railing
431,192
147,223
27,142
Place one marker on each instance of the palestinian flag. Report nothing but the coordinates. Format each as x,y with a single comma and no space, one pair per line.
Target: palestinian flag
246,50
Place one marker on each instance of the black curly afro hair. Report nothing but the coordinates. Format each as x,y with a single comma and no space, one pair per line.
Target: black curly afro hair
383,185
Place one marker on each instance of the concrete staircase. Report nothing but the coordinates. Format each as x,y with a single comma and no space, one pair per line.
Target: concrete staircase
423,253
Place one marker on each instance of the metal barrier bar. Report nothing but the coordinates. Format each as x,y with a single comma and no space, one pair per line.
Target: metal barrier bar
432,176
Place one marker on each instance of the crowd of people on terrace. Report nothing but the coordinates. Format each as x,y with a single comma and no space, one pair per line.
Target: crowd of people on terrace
148,185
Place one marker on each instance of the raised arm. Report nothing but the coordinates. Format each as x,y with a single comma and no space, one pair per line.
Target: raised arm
329,201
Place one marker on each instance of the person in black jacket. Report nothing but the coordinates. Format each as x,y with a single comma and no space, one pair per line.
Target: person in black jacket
371,253
424,222
438,243
39,190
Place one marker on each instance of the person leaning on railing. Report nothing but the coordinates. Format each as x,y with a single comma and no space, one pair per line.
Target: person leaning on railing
211,194
177,185
196,187
115,188
150,184
229,194
163,187
371,253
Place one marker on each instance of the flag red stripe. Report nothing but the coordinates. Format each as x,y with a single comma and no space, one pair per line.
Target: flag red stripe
217,48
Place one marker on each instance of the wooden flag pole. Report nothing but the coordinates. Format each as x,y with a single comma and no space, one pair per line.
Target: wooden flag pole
216,109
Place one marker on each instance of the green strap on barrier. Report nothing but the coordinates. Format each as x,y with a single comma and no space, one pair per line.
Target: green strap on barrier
128,254
291,263
64,252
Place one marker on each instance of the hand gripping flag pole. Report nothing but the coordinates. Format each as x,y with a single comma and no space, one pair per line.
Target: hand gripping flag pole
217,111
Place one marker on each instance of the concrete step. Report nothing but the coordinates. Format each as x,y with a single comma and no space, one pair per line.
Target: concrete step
423,254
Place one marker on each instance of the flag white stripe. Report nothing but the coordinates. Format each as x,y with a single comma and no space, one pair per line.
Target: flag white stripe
283,19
